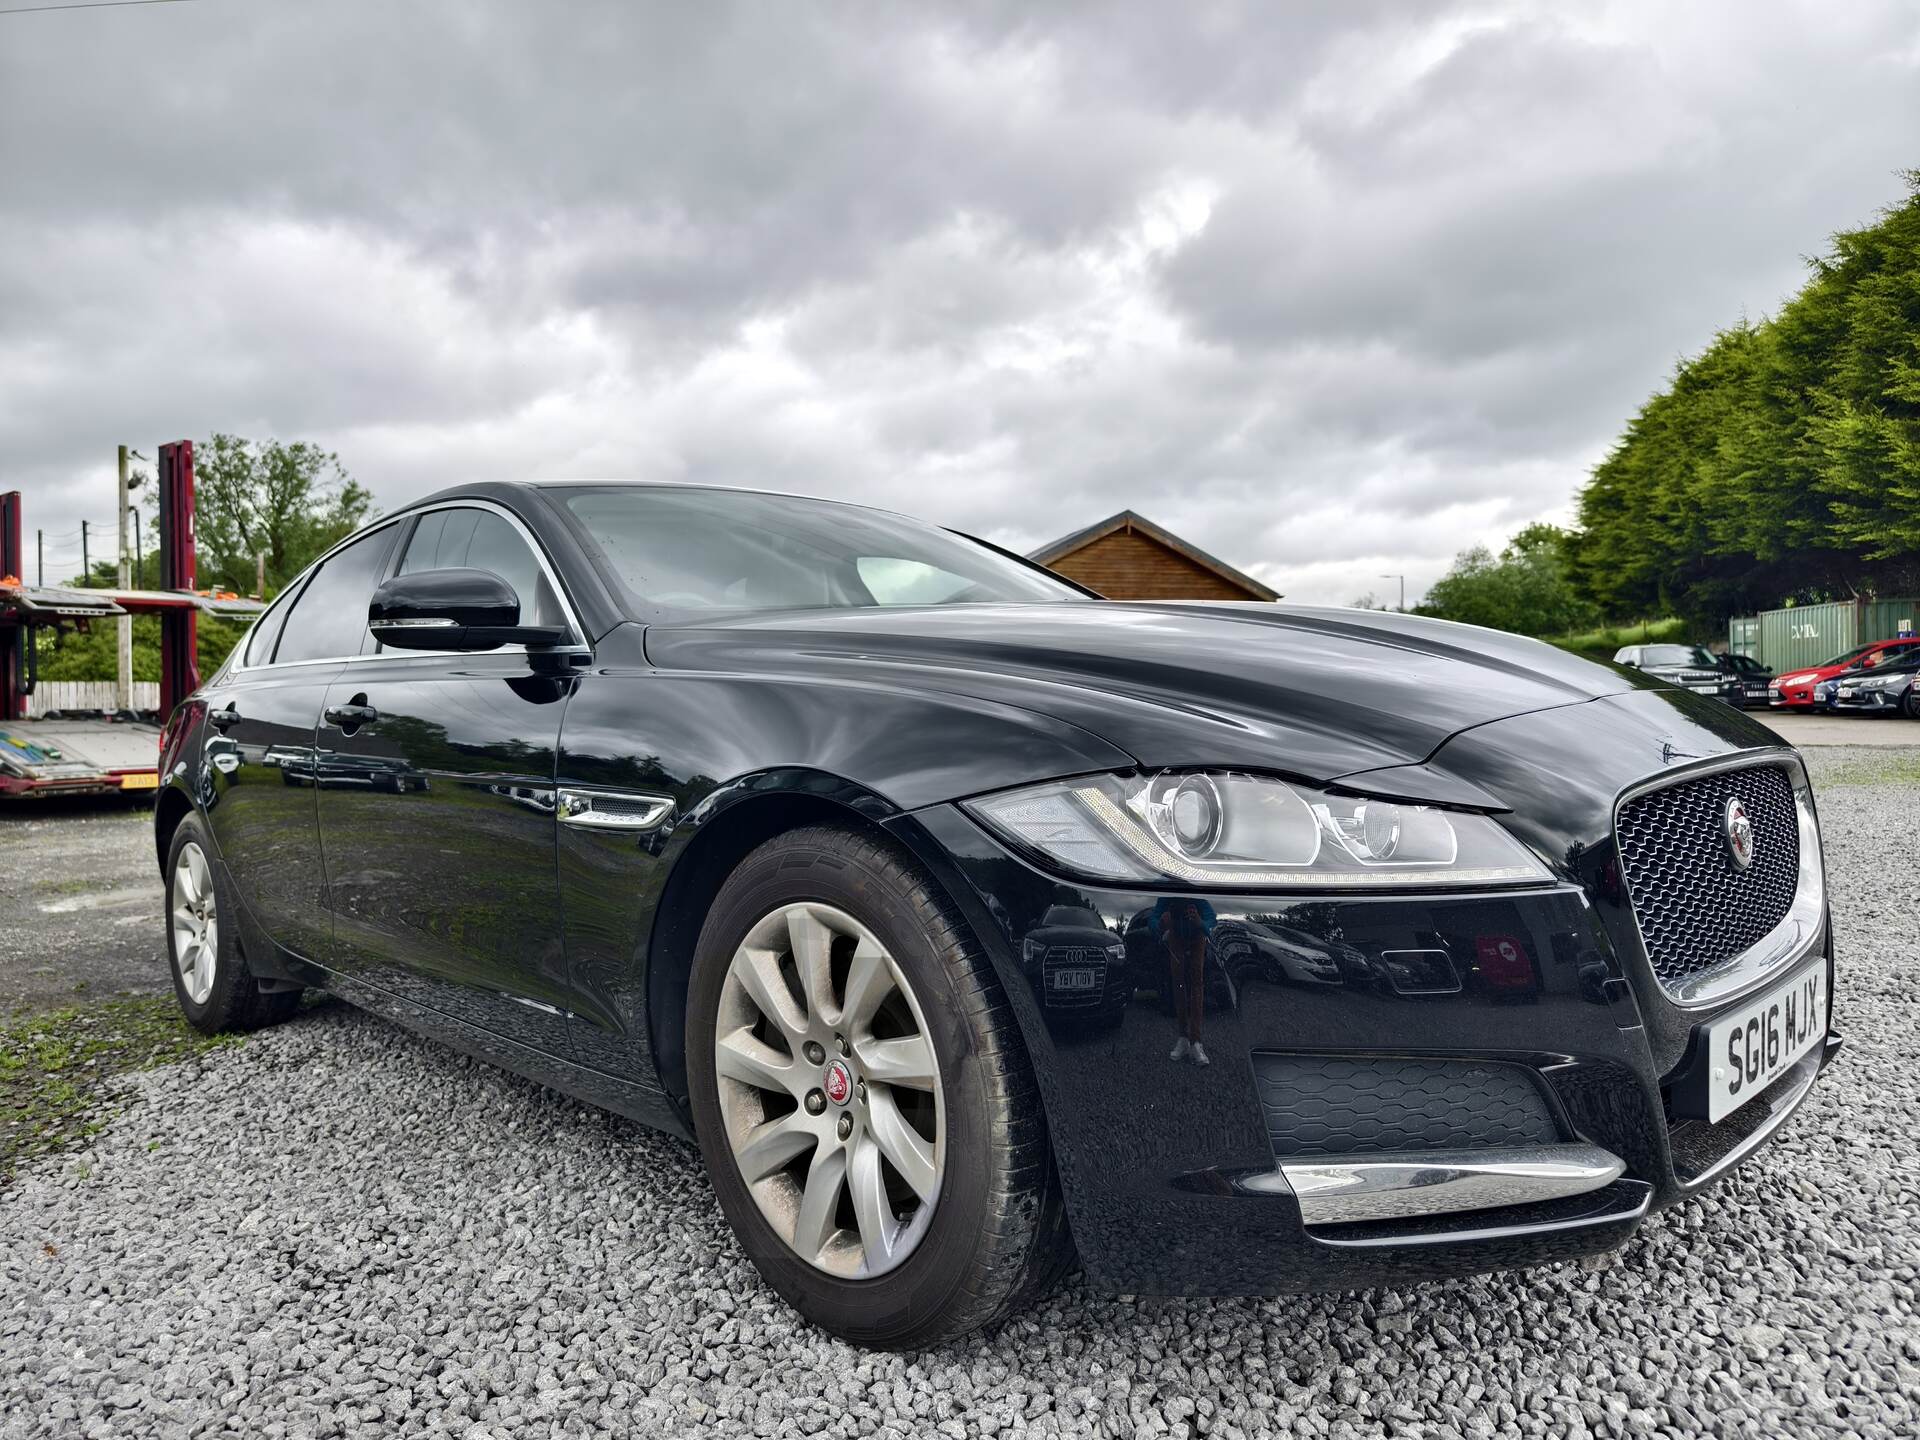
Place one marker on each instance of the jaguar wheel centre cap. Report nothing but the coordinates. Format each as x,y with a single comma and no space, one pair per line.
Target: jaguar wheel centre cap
837,1081
1739,831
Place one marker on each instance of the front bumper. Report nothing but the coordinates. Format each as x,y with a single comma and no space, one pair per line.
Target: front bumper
1181,1179
1172,1178
1869,702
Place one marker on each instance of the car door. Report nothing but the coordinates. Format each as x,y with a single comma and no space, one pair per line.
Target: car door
259,751
436,804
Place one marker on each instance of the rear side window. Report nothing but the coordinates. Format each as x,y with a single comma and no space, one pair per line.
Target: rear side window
329,620
265,631
481,540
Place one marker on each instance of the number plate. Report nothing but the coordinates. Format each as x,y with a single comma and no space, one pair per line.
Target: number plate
140,780
1759,1042
1083,978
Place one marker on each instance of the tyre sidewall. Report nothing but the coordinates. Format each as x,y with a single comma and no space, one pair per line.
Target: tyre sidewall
888,1309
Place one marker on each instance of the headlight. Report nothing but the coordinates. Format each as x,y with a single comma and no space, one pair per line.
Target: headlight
1885,682
1223,829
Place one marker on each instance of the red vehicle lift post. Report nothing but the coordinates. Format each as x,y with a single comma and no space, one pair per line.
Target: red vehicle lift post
13,638
179,628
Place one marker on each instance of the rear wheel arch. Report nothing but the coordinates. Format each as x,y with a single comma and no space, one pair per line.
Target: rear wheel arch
169,810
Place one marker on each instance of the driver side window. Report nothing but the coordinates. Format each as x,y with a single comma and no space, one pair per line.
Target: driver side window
329,620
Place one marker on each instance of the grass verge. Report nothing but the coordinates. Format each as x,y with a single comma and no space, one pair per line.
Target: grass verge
57,1069
1600,644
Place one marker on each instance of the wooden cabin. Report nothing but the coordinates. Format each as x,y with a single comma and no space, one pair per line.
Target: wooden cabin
1128,557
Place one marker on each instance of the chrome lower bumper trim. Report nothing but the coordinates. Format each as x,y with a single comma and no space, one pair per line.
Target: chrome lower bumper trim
1409,1184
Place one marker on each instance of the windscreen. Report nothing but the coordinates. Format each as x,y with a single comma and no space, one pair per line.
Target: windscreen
1679,655
684,554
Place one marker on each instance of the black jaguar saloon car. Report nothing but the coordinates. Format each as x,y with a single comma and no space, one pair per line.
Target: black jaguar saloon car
805,831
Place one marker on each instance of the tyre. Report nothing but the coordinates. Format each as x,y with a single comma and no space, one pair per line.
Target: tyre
1912,703
211,980
865,1108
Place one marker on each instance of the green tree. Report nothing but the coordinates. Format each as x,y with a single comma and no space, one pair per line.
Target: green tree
1528,588
1782,462
289,501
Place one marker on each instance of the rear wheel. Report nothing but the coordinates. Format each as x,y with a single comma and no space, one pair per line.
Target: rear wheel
211,980
866,1110
1912,703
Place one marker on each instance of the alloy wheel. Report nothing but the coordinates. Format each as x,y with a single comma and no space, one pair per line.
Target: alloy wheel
196,923
830,1090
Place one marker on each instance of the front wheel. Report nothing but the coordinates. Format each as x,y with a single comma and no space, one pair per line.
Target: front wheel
864,1105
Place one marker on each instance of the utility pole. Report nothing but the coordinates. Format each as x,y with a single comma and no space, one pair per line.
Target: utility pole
40,558
86,566
1403,590
260,575
139,553
123,667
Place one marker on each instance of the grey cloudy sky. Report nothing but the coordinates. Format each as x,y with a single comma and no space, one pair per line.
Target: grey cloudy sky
1333,290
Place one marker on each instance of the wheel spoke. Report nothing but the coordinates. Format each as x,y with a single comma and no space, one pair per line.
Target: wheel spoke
902,1145
870,1210
773,1144
905,1060
197,867
812,944
186,886
759,972
869,979
745,1057
816,1224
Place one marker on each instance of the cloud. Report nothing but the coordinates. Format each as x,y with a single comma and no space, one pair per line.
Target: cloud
1334,293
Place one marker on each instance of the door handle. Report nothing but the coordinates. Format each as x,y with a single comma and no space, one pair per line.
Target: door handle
352,715
221,719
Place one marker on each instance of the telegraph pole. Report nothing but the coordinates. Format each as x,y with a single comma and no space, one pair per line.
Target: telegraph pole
260,576
139,553
1403,590
86,566
123,668
40,558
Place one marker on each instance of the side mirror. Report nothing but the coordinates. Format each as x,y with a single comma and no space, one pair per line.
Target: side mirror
453,610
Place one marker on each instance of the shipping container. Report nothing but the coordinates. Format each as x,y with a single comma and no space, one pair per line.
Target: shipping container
1803,635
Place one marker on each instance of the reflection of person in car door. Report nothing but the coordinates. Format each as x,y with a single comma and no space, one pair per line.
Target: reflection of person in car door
1184,923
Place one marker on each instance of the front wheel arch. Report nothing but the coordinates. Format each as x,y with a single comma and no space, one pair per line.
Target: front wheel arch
729,825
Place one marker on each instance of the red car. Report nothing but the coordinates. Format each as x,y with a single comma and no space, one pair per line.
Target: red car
1794,688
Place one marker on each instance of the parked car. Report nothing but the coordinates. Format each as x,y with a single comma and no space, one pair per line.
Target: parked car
1886,689
1692,667
1755,679
1078,965
818,775
1795,689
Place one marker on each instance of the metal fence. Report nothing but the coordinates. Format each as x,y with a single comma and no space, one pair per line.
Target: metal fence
88,695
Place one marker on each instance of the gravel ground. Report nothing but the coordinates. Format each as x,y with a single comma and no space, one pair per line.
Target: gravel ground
337,1229
79,903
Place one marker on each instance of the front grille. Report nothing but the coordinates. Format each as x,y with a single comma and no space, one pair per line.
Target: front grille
1074,957
1696,909
1363,1105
